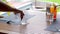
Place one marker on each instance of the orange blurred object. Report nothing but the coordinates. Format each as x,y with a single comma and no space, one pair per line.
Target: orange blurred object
53,11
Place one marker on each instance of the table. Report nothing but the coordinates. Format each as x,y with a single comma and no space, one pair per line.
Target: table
37,25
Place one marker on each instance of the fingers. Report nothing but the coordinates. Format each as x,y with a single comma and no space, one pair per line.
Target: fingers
22,15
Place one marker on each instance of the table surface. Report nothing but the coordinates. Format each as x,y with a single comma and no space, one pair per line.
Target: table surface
37,25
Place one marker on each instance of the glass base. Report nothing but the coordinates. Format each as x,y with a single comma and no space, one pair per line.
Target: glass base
24,23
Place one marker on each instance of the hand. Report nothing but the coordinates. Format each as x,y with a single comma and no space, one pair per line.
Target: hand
22,15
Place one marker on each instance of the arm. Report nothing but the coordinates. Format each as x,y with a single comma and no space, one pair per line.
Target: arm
5,8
